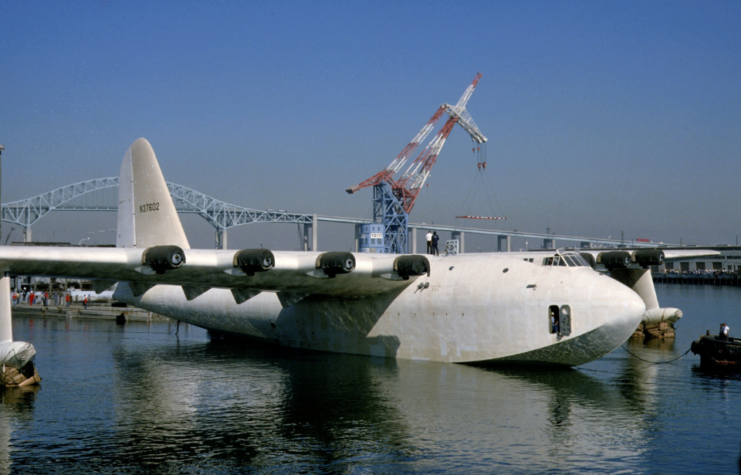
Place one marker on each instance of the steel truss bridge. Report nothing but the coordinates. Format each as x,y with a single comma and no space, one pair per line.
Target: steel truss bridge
222,216
219,214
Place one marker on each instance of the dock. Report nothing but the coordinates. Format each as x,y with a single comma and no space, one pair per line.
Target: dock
93,311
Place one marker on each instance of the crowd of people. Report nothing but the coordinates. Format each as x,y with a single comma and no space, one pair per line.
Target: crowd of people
712,272
56,299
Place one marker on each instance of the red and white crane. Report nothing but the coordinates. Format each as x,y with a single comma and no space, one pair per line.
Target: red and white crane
411,182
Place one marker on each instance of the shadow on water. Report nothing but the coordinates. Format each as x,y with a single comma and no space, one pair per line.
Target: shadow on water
567,387
710,377
719,385
339,407
154,404
226,404
637,372
572,384
135,399
525,420
16,407
18,400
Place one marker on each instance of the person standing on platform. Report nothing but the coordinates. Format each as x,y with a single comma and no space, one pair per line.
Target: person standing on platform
435,240
84,302
429,242
31,296
66,298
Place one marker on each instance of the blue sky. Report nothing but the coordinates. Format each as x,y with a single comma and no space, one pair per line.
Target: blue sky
602,116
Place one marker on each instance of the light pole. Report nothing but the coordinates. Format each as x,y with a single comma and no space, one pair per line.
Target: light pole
83,239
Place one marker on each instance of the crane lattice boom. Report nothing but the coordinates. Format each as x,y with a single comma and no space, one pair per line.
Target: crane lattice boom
407,187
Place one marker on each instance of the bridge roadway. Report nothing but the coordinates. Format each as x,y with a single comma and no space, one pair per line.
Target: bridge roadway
223,216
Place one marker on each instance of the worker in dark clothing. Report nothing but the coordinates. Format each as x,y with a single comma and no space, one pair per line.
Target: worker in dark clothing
435,239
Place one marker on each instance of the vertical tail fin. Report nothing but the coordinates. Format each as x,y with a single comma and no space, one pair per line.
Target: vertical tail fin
146,213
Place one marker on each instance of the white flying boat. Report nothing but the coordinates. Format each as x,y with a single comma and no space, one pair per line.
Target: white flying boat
541,308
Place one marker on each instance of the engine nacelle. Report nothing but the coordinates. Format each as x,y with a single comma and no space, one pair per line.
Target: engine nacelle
163,258
614,259
333,263
251,261
648,257
415,265
589,258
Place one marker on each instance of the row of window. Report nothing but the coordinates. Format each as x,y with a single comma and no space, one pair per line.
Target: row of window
566,260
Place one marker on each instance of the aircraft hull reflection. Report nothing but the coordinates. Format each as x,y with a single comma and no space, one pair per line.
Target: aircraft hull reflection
272,409
471,309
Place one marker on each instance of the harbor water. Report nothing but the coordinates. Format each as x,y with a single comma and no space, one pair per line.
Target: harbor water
136,398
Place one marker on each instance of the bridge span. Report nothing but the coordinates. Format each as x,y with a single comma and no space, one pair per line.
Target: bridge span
222,216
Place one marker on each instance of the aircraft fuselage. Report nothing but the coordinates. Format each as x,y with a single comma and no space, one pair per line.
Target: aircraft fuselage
473,308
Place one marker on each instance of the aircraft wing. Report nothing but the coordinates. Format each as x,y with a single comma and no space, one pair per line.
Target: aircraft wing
621,258
669,254
676,254
246,272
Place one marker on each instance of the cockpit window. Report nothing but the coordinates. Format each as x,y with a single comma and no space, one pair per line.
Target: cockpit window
570,259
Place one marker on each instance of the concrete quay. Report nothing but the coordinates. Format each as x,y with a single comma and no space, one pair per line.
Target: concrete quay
93,311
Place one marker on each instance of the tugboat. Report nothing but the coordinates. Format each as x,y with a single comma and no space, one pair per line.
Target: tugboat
718,351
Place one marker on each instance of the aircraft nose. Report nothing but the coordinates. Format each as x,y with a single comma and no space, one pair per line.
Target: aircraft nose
617,311
635,307
629,311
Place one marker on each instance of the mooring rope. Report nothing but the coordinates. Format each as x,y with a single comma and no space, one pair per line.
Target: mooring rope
655,362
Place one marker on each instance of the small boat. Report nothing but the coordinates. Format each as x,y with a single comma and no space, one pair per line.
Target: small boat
718,352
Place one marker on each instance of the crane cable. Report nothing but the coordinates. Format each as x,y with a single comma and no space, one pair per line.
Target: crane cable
485,184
